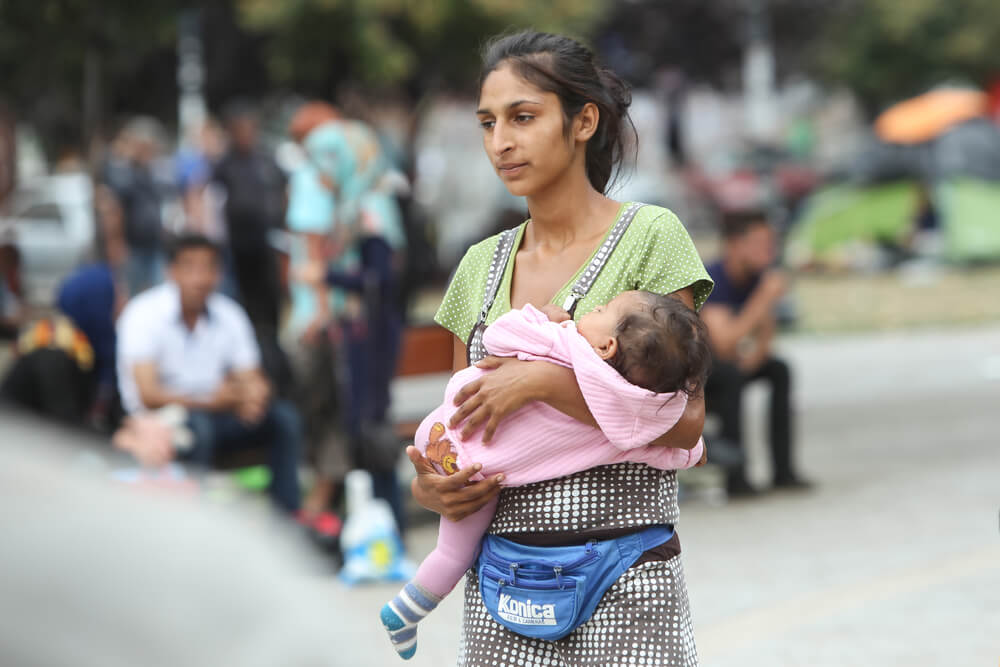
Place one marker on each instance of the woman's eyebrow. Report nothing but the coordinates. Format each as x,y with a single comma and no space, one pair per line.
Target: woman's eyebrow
510,106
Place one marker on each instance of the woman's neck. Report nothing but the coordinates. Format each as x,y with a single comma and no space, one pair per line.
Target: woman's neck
567,212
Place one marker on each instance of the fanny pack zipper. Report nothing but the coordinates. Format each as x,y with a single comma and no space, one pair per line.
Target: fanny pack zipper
534,567
533,585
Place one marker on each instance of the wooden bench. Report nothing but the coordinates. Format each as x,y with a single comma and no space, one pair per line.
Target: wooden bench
426,349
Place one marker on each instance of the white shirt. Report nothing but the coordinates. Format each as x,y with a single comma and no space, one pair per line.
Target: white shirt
189,362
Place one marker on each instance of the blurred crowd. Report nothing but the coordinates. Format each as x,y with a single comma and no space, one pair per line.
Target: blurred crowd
239,310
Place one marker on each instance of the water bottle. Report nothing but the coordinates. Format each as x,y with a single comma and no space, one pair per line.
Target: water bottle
370,540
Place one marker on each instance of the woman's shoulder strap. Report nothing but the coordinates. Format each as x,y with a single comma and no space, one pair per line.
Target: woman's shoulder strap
587,278
501,255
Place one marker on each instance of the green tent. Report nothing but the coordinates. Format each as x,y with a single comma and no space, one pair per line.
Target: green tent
970,218
842,214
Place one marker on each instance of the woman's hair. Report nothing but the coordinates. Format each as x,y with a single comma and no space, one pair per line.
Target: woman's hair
567,68
663,346
309,116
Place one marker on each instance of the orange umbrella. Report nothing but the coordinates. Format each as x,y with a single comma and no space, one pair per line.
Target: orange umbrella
924,117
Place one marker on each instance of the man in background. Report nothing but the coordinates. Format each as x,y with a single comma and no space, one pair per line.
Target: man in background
741,321
253,187
129,175
183,344
255,198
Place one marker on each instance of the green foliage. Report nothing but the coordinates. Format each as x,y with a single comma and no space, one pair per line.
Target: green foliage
124,52
314,45
887,50
43,43
883,50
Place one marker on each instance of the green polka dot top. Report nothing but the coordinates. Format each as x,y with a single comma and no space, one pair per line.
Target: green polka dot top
655,254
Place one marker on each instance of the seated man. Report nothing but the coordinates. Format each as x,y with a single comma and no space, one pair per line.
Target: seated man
181,343
741,324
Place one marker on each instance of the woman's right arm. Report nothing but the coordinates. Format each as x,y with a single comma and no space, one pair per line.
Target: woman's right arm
453,496
316,255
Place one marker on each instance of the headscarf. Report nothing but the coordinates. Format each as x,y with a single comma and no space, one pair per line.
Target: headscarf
349,158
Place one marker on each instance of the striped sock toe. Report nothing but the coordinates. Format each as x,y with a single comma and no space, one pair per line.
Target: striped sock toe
401,615
391,619
407,648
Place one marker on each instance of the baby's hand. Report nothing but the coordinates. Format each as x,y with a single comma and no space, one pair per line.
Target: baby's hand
555,313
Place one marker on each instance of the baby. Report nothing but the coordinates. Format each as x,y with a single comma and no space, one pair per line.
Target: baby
636,359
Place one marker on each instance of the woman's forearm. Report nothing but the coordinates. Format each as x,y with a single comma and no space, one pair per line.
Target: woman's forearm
557,386
687,430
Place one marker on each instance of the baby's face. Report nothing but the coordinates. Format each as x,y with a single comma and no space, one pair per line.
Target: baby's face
599,325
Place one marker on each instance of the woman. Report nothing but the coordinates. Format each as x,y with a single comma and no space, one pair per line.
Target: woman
554,129
366,271
343,206
307,337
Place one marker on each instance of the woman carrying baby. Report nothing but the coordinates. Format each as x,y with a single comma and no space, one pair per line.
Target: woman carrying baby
554,128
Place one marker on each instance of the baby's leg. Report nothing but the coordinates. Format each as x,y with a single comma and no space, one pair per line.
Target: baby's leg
457,546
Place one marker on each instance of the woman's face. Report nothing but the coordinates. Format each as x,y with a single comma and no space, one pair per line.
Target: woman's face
524,132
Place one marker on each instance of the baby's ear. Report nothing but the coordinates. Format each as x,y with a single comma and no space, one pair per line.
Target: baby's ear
608,349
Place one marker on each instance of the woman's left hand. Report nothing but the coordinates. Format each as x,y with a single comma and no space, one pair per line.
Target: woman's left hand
510,384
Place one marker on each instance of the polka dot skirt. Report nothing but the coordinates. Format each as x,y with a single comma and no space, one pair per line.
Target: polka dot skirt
643,619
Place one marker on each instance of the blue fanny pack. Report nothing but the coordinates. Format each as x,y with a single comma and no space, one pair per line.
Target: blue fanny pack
547,592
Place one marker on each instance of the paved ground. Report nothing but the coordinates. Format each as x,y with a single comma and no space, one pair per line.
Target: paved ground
896,558
893,560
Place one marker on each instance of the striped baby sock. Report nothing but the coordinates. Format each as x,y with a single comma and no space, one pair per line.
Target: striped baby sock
401,615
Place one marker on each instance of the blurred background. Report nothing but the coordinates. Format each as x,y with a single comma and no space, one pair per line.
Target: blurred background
865,134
